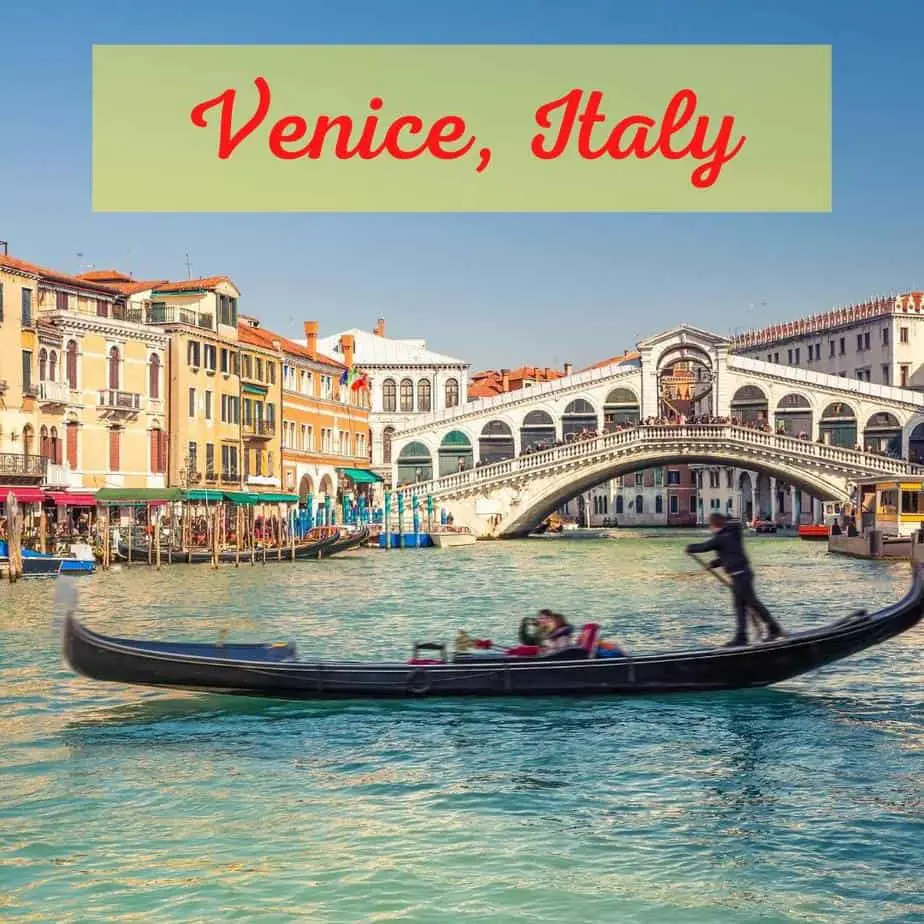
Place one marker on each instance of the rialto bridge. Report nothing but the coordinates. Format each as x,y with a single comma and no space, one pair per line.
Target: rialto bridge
502,464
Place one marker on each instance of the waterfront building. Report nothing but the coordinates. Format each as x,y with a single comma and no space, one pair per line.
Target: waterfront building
408,382
92,381
325,424
260,365
879,341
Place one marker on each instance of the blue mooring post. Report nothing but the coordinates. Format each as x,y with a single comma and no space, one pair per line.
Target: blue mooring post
401,521
429,513
387,521
415,506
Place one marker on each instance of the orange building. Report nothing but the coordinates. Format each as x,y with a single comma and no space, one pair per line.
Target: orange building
325,425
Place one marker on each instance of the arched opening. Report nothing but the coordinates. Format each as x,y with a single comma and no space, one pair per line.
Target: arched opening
43,365
620,408
387,436
72,364
28,440
327,486
883,433
537,431
414,464
423,395
685,381
305,489
749,405
746,490
455,453
839,425
619,502
114,368
452,392
916,444
44,445
54,446
407,396
53,366
495,443
389,396
154,376
794,416
579,416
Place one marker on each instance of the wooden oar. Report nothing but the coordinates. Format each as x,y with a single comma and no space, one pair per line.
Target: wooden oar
755,619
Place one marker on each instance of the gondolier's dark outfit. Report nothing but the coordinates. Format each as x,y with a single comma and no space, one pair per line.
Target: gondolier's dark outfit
728,545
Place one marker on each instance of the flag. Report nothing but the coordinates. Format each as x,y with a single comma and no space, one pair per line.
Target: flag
361,382
344,376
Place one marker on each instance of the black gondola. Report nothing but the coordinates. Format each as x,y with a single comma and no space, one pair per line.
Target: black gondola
275,671
140,552
349,541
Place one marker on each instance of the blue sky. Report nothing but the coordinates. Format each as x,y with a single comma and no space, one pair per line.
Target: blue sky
498,290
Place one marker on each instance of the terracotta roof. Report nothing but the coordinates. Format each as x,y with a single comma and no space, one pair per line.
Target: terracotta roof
614,360
109,275
490,382
206,282
125,284
260,336
43,272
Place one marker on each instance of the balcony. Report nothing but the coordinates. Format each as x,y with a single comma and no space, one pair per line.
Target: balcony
57,476
173,314
15,464
112,402
259,429
53,393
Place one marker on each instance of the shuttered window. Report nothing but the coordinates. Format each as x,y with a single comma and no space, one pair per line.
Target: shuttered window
72,445
115,441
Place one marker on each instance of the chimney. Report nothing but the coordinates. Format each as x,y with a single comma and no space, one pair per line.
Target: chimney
568,368
505,380
548,374
311,336
347,346
379,328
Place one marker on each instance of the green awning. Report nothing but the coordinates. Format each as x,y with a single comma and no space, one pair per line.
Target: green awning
254,389
116,495
361,475
239,497
208,495
277,498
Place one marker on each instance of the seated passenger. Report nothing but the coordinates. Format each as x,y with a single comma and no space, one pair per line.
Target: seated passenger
557,633
610,649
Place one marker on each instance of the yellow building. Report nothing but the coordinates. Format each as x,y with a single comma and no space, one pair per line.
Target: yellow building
97,376
261,401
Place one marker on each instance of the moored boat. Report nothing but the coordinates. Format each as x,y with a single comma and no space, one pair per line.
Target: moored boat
141,552
450,537
275,670
42,564
816,531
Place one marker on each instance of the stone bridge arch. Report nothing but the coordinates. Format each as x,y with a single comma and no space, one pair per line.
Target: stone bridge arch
545,495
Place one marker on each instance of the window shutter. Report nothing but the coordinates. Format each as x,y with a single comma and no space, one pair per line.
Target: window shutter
114,435
72,445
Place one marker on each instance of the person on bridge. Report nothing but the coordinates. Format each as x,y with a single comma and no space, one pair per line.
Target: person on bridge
728,545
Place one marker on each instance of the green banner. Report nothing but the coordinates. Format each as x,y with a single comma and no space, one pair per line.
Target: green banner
462,128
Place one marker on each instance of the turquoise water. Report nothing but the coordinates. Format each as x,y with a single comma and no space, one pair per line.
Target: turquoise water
802,803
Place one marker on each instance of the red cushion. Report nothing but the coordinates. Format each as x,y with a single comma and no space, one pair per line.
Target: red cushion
589,636
523,651
424,661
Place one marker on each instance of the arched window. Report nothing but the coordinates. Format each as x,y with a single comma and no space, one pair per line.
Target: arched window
659,504
72,364
158,451
28,435
72,444
54,447
639,503
154,376
44,444
407,395
115,445
53,366
618,503
114,369
452,393
43,365
389,395
423,395
387,434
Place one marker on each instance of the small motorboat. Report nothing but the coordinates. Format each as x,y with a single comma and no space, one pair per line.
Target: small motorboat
763,526
451,537
275,670
42,564
813,531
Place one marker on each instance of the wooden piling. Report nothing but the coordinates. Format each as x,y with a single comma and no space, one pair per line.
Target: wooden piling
156,534
14,539
131,529
237,536
106,539
215,537
43,529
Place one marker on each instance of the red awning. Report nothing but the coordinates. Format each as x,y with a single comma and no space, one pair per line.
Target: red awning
63,499
23,495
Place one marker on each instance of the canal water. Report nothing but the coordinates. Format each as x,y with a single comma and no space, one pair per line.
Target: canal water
802,803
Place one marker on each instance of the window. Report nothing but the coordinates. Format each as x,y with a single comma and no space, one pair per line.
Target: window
776,357
248,412
192,353
769,357
885,374
208,405
811,351
639,503
102,308
158,451
27,371
114,362
386,443
452,393
659,504
866,341
211,356
154,376
227,310
43,365
797,356
271,373
192,402
209,460
903,334
618,503
673,476
407,395
674,504
225,366
72,365
228,461
246,366
192,453
904,370
26,317
728,477
859,342
692,503
389,396
423,395
115,446
843,346
72,444
789,355
832,347
885,336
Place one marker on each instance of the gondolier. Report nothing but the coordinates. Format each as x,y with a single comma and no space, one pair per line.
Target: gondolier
728,545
